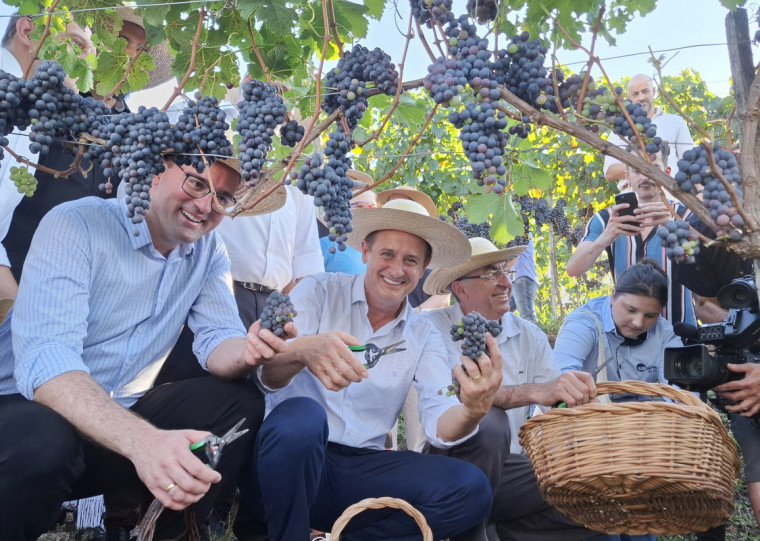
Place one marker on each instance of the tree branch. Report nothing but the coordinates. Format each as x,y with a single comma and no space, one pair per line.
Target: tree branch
258,53
193,56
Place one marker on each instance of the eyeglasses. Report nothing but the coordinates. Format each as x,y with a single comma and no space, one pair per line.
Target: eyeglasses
362,205
494,276
197,188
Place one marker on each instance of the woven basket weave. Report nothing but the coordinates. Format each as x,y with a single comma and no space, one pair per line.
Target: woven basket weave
635,467
380,503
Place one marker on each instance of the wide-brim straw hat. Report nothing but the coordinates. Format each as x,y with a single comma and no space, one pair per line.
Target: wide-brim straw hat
484,252
272,202
412,193
162,58
449,246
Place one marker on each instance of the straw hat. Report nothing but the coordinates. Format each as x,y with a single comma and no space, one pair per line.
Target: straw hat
5,306
449,245
407,192
483,253
162,58
359,176
272,202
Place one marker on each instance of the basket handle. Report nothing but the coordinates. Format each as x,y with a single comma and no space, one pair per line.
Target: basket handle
648,389
380,503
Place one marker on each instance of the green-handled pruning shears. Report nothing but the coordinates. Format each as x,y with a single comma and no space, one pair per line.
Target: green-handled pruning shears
372,353
209,449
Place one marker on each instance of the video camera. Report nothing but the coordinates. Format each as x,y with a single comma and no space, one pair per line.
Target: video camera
702,366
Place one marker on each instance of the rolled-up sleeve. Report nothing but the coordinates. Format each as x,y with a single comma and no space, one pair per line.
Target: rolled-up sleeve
50,313
576,342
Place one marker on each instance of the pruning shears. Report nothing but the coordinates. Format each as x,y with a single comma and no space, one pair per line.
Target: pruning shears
209,449
372,353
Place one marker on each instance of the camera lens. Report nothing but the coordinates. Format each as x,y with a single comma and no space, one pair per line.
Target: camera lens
690,367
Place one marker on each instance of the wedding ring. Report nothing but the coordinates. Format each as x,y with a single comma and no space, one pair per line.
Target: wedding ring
170,487
476,377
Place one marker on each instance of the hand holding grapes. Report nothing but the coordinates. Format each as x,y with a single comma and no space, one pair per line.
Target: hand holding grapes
479,379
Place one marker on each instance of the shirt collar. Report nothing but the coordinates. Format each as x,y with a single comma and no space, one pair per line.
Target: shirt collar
142,238
358,295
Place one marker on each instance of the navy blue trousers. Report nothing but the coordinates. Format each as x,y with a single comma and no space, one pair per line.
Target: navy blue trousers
45,461
307,482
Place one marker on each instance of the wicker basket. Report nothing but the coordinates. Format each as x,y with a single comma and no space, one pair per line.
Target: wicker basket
636,467
380,503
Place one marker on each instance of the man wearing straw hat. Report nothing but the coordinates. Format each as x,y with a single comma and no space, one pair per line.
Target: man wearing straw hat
530,376
97,312
322,446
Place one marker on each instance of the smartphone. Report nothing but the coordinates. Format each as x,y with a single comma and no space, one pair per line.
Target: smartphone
631,199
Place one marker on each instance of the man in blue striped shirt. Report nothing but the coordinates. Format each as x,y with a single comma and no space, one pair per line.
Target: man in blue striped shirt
628,240
100,305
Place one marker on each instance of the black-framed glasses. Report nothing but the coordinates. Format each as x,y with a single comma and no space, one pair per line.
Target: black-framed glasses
494,276
196,187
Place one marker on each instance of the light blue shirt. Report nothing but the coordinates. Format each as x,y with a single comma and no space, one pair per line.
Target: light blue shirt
577,345
526,357
362,414
97,298
348,260
525,264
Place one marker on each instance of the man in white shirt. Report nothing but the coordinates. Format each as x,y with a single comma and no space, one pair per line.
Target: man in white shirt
323,442
271,252
529,376
671,128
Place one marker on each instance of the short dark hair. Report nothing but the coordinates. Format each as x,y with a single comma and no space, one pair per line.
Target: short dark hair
10,30
662,155
644,278
370,239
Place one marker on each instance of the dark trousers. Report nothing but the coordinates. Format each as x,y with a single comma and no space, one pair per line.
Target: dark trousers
44,461
308,482
519,511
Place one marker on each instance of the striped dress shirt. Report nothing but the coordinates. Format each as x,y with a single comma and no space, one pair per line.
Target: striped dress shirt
97,297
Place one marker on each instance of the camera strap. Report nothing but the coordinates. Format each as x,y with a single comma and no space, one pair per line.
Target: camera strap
600,374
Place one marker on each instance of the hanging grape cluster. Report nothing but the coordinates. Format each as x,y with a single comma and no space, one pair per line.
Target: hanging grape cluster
462,223
680,241
330,186
25,182
200,133
261,111
291,133
694,171
347,85
432,12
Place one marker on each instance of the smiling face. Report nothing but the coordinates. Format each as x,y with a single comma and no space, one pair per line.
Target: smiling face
395,262
634,314
176,217
488,297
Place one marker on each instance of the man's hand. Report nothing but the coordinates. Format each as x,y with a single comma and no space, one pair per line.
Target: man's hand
327,357
652,214
573,388
479,380
169,469
619,225
262,344
745,392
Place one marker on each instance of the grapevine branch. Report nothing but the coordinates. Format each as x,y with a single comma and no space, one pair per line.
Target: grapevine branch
414,142
73,168
334,28
675,106
423,39
309,135
45,34
623,108
579,132
591,60
193,57
208,71
258,53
